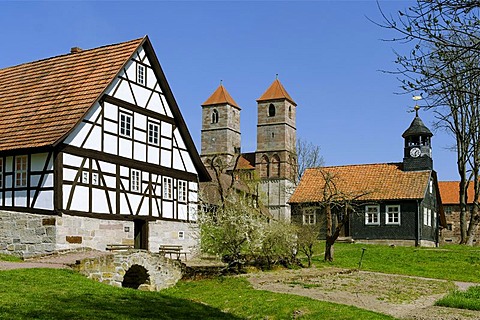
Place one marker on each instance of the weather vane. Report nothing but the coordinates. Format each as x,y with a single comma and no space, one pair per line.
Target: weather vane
416,108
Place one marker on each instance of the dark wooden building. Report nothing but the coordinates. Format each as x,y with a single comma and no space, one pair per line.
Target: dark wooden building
391,203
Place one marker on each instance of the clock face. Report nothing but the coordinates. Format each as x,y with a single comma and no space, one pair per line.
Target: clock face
415,152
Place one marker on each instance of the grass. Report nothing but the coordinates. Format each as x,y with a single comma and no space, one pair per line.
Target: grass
236,296
63,294
8,257
451,262
469,299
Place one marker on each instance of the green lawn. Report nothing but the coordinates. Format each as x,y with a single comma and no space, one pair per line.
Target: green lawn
451,262
63,294
469,299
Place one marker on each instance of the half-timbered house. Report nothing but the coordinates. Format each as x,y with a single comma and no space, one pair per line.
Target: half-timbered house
94,150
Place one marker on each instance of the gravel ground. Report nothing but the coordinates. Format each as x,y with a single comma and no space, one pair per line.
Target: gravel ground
403,297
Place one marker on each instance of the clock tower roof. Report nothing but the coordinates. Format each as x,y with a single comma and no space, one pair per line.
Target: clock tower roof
417,127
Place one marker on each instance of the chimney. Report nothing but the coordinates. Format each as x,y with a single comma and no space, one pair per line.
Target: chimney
75,50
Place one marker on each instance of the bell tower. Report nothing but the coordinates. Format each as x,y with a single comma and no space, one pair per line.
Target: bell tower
418,148
275,156
220,127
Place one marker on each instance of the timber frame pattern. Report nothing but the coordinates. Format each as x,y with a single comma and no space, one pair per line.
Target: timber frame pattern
128,156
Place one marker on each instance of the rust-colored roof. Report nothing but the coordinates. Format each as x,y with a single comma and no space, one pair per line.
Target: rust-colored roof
220,96
244,164
384,181
41,101
274,92
450,192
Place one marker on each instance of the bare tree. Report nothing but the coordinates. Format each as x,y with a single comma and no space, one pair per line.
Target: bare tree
443,64
308,156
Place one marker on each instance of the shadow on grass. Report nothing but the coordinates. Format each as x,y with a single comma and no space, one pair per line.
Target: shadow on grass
62,294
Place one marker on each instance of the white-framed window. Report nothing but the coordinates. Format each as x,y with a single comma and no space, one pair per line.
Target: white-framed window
430,186
135,180
167,188
372,215
427,217
181,235
182,191
1,172
95,179
153,133
21,171
141,74
85,176
392,214
309,216
125,125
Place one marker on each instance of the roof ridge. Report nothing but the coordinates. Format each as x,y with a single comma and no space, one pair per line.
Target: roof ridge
360,164
69,53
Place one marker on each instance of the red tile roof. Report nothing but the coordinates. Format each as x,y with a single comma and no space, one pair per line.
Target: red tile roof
449,191
244,164
384,181
41,101
274,92
220,96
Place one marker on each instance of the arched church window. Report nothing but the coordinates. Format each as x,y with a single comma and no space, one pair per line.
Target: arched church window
215,116
275,166
264,167
271,110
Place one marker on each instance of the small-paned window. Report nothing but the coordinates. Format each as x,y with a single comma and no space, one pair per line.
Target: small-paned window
392,215
125,125
271,110
1,172
85,176
372,215
153,130
167,188
427,217
182,191
448,209
135,180
309,216
21,171
214,116
140,74
181,235
95,179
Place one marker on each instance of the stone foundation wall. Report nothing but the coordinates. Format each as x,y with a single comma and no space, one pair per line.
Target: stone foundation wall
170,232
75,232
110,269
25,234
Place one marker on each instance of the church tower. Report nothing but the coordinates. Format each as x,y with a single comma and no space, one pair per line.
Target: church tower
418,148
275,157
220,127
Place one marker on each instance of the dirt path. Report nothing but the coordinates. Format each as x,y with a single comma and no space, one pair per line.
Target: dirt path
403,297
59,260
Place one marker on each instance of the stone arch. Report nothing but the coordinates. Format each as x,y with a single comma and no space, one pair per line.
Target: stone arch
275,166
264,167
271,110
112,268
135,276
215,116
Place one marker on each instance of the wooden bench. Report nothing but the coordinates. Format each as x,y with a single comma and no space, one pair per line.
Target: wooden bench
172,249
118,247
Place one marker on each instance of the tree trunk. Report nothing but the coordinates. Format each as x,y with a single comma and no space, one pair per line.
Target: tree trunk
463,210
329,249
328,243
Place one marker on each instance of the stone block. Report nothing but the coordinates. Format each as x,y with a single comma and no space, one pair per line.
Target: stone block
74,239
48,222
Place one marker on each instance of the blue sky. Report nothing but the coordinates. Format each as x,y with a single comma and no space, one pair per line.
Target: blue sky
327,54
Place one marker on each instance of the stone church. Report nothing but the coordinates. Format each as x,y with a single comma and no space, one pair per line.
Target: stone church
274,162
